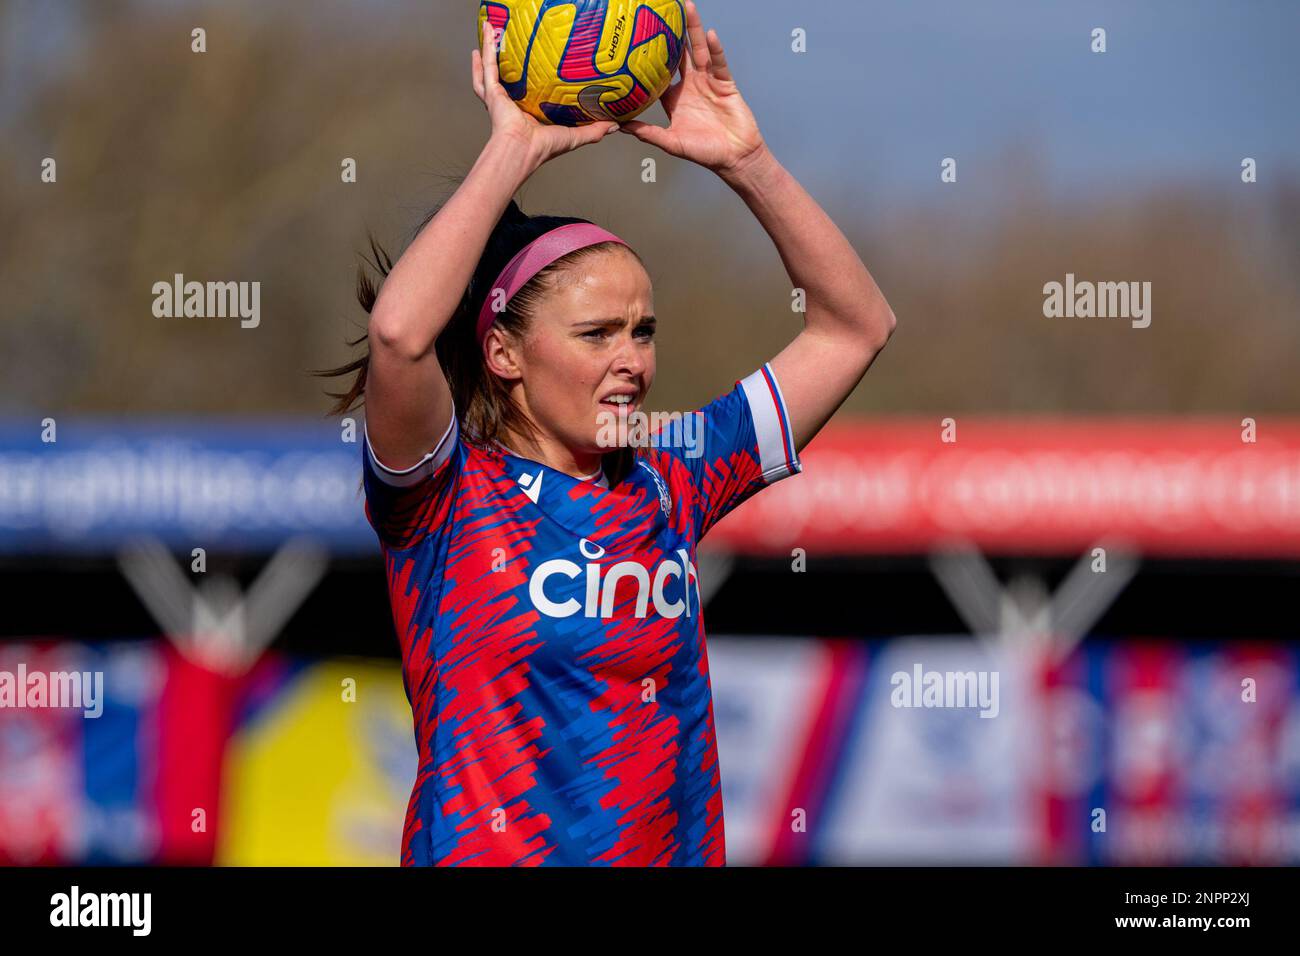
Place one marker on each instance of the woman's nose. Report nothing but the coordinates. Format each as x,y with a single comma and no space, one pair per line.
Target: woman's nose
630,358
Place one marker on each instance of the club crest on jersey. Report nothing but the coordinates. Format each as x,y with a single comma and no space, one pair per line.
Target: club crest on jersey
665,499
601,588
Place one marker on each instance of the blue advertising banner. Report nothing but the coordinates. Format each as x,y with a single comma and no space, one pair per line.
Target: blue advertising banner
215,484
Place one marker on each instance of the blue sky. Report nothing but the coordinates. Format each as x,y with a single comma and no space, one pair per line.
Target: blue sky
889,87
1184,90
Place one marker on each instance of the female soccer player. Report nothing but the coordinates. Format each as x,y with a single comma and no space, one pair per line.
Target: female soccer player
543,584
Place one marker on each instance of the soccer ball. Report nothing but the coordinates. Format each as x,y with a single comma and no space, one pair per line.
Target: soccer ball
573,62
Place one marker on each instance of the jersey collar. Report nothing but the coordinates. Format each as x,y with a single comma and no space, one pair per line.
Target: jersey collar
597,477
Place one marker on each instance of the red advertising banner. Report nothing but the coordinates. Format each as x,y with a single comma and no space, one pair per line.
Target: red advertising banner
1177,487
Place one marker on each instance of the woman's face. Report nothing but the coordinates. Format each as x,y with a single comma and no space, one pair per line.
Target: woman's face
590,344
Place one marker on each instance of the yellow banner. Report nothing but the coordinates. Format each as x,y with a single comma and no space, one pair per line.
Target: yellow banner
322,774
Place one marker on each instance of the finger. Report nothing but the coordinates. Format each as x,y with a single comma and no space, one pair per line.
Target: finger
671,96
476,74
563,139
684,67
577,136
695,30
594,133
647,133
684,63
491,73
717,58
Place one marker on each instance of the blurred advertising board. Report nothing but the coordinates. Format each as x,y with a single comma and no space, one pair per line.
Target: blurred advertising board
1183,753
1172,486
184,765
118,781
924,750
233,485
320,771
1041,485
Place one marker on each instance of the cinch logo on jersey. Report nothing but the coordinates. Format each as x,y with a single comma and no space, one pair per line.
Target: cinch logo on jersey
601,590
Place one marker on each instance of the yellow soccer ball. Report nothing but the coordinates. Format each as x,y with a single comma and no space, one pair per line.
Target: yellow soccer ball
573,62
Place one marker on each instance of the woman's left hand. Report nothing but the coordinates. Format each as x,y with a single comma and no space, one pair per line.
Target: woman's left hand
709,121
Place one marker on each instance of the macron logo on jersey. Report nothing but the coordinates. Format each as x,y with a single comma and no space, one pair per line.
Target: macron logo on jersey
600,591
532,485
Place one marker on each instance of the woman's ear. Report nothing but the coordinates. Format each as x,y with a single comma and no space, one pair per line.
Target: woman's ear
500,355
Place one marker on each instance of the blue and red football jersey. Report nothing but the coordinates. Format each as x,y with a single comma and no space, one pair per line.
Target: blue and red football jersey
552,642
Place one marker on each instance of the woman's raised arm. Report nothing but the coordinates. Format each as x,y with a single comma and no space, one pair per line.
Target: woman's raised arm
847,321
408,401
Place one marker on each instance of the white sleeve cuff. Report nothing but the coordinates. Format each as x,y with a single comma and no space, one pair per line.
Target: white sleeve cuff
406,477
776,453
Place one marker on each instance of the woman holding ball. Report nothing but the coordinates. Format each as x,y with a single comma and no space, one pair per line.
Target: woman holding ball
543,584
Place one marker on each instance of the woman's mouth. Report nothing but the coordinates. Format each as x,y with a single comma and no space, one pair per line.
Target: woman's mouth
619,401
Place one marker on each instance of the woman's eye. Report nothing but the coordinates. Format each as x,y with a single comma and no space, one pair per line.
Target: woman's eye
596,335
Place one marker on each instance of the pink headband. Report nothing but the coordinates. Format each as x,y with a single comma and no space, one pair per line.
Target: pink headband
535,257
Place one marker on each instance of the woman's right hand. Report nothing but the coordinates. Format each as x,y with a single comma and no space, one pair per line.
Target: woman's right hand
511,124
